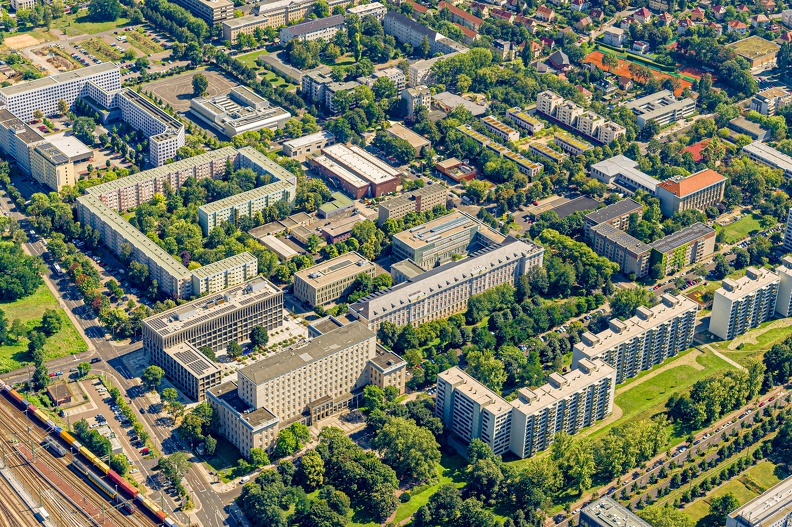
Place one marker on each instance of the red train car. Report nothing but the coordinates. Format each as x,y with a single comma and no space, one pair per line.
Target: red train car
123,484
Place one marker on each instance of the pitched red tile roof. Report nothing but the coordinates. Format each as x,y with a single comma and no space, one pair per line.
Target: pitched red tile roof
694,183
469,33
460,13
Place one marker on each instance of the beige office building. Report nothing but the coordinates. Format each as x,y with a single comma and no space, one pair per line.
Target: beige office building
217,319
330,280
211,11
308,384
51,167
640,342
419,200
224,274
189,369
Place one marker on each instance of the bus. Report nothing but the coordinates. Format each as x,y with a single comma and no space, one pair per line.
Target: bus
57,269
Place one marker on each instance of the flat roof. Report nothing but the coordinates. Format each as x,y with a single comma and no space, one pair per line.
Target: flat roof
562,386
681,237
364,164
225,264
339,171
266,164
309,139
625,167
754,47
496,123
191,359
59,78
754,279
408,268
277,245
768,508
342,226
21,130
52,154
452,100
416,141
441,228
607,512
315,25
741,123
770,155
211,306
70,145
577,204
621,238
572,140
614,210
474,390
414,26
250,195
315,349
658,103
338,268
229,394
409,197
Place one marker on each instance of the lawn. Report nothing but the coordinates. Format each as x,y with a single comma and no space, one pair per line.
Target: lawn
275,80
765,338
79,24
143,42
102,50
225,460
249,59
30,310
741,228
451,471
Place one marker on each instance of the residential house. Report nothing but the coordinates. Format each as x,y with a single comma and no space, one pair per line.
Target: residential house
716,28
559,2
760,20
545,14
528,23
583,24
547,42
643,16
665,19
660,5
625,83
468,35
503,14
742,8
640,46
584,92
627,22
697,14
505,49
719,12
614,36
596,14
684,24
767,6
735,26
579,5
786,37
560,61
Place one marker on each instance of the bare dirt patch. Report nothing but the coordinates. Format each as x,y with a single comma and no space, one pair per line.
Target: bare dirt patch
21,41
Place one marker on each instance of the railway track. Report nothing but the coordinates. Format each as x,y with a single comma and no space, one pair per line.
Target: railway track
9,508
94,509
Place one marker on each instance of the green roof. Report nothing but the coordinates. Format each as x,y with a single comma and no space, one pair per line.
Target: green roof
339,201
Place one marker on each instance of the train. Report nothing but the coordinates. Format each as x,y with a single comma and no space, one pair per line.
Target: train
112,493
54,447
75,446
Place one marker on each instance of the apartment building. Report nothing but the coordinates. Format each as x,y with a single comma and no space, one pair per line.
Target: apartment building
319,28
240,110
375,9
616,215
547,153
44,94
591,125
503,131
165,133
23,4
361,174
571,144
524,165
438,241
769,101
522,120
223,274
415,97
323,377
419,200
697,191
688,246
783,305
330,280
460,16
661,107
271,14
614,36
632,255
767,155
744,303
528,424
607,512
408,31
17,139
394,74
773,508
307,144
173,278
211,11
51,167
217,319
249,157
232,208
623,171
638,343
788,232
567,403
445,290
472,411
189,369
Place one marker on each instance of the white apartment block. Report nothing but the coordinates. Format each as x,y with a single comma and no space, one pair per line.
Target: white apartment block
23,4
503,131
522,120
744,303
567,403
788,232
783,305
271,14
211,11
416,96
232,208
769,101
17,139
51,167
323,377
528,424
771,509
44,94
165,133
640,342
445,290
223,274
408,31
661,107
573,116
375,9
571,144
320,28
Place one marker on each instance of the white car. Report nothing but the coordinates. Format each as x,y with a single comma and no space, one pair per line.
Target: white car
244,479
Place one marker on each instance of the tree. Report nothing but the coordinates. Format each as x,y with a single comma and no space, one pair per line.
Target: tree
210,445
444,504
50,322
373,397
665,517
83,369
104,10
312,244
609,62
625,301
483,366
425,47
169,395
259,336
410,450
152,377
40,379
175,467
722,506
63,107
234,350
119,463
20,274
84,128
199,84
258,457
209,353
311,471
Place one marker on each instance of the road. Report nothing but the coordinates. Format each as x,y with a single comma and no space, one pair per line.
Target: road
729,423
208,502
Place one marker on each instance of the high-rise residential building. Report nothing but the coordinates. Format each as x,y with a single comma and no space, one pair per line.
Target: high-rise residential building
769,101
617,215
527,425
783,305
232,208
17,139
567,403
443,239
419,200
321,378
642,341
223,274
773,508
217,319
607,512
51,167
165,133
788,232
697,191
744,303
330,280
445,290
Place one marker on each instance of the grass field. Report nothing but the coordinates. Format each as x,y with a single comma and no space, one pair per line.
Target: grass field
451,471
764,338
79,24
143,42
30,310
249,59
102,50
225,460
275,80
740,228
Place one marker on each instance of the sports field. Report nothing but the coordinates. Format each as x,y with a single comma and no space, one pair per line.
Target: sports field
740,228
